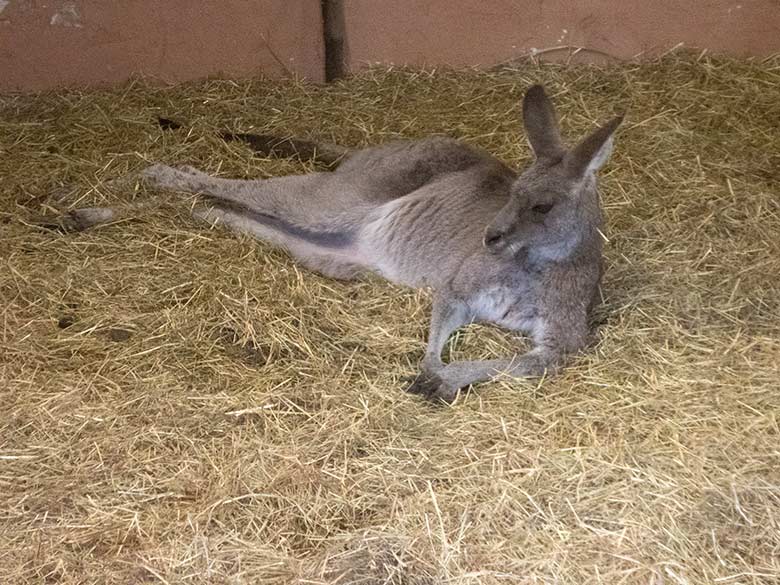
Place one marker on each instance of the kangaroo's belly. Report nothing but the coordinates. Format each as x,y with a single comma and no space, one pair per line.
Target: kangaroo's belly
424,238
415,257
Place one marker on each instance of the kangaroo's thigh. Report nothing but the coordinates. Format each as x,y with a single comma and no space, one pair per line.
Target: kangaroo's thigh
343,264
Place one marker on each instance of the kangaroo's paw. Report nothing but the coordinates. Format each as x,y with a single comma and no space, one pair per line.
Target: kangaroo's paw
432,387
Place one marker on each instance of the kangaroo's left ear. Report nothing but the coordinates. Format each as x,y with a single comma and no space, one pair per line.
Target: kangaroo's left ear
590,154
541,125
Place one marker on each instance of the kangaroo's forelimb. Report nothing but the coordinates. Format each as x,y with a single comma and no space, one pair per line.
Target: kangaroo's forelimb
443,384
440,381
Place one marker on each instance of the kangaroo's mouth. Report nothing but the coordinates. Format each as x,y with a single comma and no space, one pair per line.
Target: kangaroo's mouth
503,246
498,240
493,239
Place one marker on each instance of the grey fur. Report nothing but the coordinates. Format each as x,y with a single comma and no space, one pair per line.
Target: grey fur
519,250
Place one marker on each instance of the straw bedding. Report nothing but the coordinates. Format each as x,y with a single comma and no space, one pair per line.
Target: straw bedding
184,405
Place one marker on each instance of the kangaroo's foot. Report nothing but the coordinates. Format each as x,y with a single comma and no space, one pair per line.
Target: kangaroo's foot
77,220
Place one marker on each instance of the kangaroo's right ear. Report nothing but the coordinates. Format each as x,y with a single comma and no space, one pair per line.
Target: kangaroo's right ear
593,151
541,125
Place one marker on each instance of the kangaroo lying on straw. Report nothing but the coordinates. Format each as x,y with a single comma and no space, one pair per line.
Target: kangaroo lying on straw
519,250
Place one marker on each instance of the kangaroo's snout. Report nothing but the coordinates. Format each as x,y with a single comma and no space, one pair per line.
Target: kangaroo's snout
500,233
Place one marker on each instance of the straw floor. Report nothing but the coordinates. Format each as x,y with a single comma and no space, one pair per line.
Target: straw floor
183,405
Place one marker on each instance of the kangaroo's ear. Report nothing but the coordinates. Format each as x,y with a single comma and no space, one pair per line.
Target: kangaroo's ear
541,125
593,151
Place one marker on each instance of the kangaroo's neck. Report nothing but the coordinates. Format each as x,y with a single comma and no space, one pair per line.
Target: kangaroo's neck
583,248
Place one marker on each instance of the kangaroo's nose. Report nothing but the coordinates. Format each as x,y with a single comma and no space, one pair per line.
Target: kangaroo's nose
493,237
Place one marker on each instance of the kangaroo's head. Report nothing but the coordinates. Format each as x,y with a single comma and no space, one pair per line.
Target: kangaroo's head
553,210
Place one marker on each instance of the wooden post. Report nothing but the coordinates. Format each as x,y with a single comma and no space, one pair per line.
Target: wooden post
335,39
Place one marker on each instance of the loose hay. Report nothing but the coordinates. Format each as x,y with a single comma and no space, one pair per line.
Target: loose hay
182,405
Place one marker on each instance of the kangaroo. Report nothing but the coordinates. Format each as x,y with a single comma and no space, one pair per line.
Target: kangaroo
521,250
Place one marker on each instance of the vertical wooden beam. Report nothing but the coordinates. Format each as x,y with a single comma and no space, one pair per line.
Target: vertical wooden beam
335,39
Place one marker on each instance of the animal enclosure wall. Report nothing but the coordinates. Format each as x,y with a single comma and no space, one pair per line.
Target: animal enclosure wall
61,43
468,33
79,42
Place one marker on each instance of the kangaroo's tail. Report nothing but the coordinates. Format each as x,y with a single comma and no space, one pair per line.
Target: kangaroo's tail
330,155
325,153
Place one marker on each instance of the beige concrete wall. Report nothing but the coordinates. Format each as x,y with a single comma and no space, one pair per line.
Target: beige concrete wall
51,43
474,32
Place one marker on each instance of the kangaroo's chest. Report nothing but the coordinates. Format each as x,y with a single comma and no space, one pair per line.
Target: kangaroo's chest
514,308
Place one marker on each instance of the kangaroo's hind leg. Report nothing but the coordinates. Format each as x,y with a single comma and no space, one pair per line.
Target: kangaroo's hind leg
317,225
315,205
342,264
261,195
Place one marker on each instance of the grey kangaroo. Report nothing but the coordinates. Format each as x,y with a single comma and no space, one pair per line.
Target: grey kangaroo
519,250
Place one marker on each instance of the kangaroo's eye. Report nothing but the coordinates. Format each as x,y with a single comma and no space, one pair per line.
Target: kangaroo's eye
542,208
